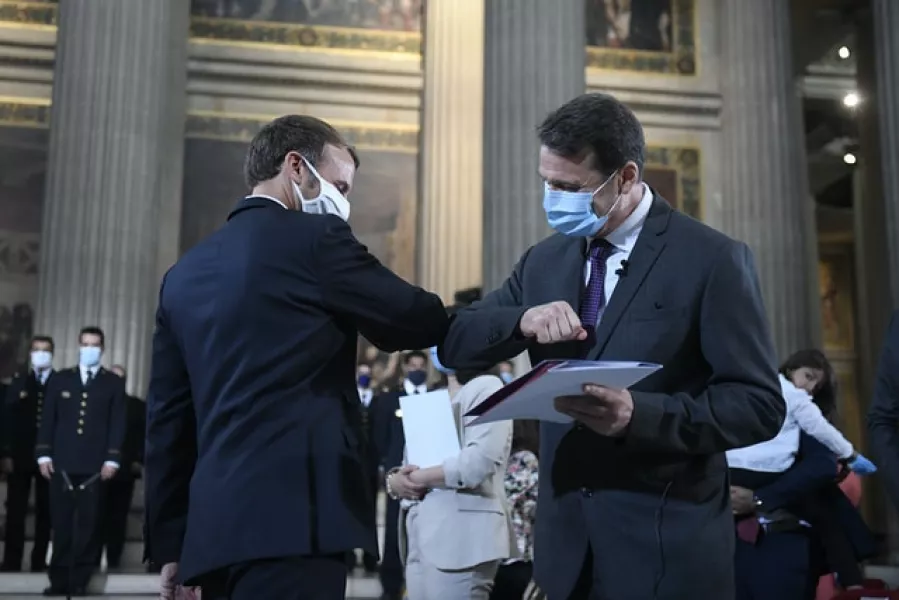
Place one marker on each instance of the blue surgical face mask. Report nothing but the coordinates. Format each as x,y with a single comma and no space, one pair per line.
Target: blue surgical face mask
507,377
363,380
437,364
417,377
571,213
89,356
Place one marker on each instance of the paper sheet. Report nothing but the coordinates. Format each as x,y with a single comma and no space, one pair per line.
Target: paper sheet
430,428
549,380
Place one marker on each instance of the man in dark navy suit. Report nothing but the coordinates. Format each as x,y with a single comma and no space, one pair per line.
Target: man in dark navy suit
883,414
80,437
23,410
255,481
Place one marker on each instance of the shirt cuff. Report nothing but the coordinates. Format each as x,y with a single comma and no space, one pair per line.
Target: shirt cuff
112,464
452,478
44,459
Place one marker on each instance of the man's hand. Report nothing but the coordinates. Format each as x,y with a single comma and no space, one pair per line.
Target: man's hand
605,410
552,323
6,466
742,500
107,472
46,469
169,589
402,486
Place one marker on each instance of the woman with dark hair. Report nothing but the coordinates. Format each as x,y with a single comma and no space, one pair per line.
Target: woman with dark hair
514,575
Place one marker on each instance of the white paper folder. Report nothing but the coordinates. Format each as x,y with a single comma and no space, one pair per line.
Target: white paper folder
430,428
531,396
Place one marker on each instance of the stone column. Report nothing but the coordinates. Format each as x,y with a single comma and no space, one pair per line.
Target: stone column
116,138
766,201
452,147
534,63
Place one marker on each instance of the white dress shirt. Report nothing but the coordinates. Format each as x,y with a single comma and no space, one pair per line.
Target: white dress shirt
84,371
623,240
365,395
778,454
272,198
411,388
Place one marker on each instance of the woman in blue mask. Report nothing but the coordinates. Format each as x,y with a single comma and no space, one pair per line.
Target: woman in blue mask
454,526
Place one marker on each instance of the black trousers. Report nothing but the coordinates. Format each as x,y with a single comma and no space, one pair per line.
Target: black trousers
512,580
391,573
77,533
289,578
117,507
18,492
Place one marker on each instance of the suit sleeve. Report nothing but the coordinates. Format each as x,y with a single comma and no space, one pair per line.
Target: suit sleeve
487,333
741,404
47,429
815,468
8,397
171,446
486,446
883,414
388,311
118,425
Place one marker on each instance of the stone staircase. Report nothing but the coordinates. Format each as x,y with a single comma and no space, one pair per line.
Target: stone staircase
132,581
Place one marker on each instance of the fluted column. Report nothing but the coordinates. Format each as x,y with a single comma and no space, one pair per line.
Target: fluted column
766,201
452,146
534,63
886,48
116,137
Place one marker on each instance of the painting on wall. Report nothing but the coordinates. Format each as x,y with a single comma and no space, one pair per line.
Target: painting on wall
837,302
383,199
674,172
655,36
370,25
23,167
39,13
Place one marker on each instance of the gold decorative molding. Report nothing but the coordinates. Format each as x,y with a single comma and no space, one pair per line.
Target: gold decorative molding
317,37
230,127
685,163
682,60
39,14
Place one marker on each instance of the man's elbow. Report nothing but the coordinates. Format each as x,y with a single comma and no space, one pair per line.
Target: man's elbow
770,411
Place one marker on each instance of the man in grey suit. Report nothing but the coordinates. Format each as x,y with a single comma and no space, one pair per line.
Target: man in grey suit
634,500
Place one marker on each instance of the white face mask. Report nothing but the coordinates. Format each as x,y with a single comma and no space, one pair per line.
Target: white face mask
41,359
329,201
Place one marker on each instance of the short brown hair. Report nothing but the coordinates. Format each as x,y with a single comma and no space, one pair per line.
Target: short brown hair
291,133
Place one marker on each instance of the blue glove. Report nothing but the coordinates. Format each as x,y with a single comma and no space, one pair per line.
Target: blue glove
862,465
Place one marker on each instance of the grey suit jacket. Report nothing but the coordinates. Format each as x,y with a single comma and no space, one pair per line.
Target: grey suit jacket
652,505
468,523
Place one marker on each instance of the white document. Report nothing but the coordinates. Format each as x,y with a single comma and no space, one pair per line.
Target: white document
430,428
551,379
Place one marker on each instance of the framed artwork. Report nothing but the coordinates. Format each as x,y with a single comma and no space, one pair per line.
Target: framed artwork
34,13
837,287
674,172
646,36
384,198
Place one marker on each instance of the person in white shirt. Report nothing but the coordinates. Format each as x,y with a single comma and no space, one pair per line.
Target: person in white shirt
805,374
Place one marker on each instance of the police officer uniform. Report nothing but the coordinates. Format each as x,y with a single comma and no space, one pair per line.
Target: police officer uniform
23,410
83,428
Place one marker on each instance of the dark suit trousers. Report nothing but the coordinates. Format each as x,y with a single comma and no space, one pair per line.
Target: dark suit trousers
391,567
77,534
119,493
512,580
289,578
17,495
777,567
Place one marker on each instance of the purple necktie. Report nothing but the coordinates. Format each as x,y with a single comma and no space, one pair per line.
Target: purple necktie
594,298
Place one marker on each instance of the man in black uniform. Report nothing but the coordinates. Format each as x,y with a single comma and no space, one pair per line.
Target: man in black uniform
120,489
369,456
81,435
390,441
23,409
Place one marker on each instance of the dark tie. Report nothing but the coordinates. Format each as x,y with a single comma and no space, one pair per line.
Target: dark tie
89,378
594,298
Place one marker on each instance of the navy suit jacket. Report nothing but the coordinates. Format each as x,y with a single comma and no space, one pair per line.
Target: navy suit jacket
653,505
253,430
883,414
